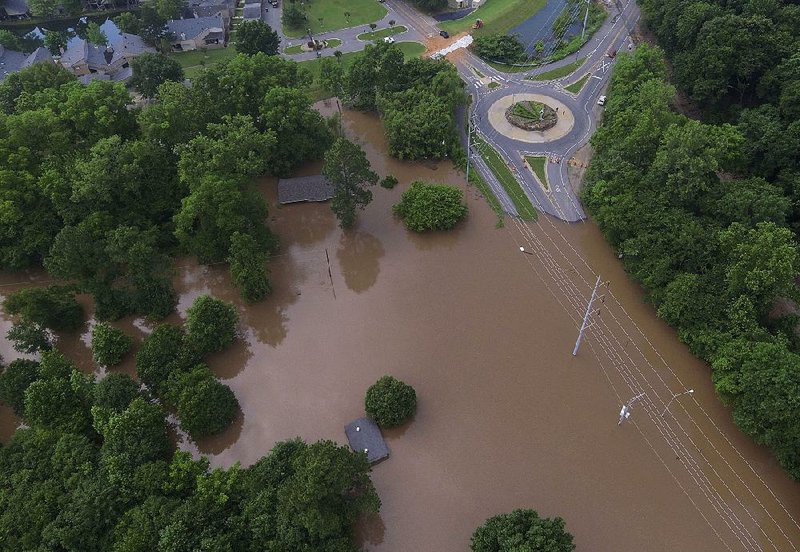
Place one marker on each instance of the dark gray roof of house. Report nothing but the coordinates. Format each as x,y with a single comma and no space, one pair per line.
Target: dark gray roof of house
128,46
39,55
16,7
86,79
209,10
252,11
364,435
123,74
82,50
11,61
304,188
193,27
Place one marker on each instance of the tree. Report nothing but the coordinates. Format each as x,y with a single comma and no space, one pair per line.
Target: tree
522,530
60,403
36,78
115,392
331,75
248,261
169,9
44,8
161,353
109,344
150,70
205,406
56,41
418,123
499,47
431,5
390,402
53,307
210,325
15,380
293,16
95,35
431,207
127,22
348,170
256,36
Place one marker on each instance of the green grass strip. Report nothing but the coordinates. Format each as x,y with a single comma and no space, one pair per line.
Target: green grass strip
383,33
559,72
296,49
498,16
576,86
537,164
330,15
511,185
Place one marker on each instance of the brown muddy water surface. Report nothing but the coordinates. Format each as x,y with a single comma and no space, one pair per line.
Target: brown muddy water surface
507,417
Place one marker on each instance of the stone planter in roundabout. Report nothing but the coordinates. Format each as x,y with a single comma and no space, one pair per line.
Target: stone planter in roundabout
530,115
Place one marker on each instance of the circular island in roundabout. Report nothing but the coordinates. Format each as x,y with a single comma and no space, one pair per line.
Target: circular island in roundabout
532,118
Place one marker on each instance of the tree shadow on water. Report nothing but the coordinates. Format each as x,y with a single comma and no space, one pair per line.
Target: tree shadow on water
370,529
359,255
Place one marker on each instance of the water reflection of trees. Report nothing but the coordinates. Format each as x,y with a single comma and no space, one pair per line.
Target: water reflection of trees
370,529
359,255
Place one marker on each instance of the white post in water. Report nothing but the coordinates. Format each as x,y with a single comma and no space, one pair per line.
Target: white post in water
586,317
585,19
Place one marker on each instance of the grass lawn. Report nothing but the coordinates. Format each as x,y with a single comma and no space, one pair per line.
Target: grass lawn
507,180
329,15
296,49
558,73
528,110
576,86
193,62
537,164
383,33
499,16
493,85
409,49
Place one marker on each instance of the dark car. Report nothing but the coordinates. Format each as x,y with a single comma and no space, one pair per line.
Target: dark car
444,34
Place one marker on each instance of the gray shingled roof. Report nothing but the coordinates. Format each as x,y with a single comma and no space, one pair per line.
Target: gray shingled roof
11,61
193,27
252,11
304,188
39,55
82,50
15,7
365,436
86,79
209,10
129,45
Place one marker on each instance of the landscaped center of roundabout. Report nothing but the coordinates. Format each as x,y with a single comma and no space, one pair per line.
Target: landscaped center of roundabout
532,118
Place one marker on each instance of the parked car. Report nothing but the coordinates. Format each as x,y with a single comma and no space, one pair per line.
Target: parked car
389,40
601,100
274,3
444,34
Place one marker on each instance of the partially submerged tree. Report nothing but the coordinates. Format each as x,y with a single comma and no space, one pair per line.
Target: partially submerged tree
522,530
348,170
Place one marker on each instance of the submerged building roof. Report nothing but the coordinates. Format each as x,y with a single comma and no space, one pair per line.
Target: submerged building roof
252,11
189,29
304,188
365,436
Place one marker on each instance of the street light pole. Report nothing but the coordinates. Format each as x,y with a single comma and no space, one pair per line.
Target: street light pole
675,396
585,19
469,142
625,413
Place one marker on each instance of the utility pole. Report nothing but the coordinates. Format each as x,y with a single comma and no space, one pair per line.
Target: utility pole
585,19
469,141
586,317
625,413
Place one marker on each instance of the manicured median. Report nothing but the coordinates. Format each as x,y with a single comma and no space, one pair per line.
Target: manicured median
329,15
576,86
498,16
509,182
559,72
537,165
383,33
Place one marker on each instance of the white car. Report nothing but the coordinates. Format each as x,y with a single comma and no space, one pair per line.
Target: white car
601,100
388,40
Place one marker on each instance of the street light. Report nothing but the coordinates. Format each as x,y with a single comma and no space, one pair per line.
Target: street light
625,412
675,396
526,252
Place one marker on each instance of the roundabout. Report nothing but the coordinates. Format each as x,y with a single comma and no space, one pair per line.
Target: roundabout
557,127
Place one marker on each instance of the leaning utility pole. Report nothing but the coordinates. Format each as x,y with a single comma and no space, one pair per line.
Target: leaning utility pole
470,126
586,317
585,19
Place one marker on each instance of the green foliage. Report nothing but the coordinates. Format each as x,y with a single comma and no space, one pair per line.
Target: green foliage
127,22
390,402
60,403
293,16
256,36
109,344
500,48
15,380
210,325
331,75
161,353
522,530
95,35
348,170
388,182
29,337
205,406
248,268
53,307
431,207
151,70
115,392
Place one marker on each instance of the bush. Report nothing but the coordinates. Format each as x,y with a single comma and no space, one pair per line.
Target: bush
502,48
115,392
205,406
14,380
390,402
109,344
161,353
389,182
431,207
53,307
29,337
210,325
522,530
248,267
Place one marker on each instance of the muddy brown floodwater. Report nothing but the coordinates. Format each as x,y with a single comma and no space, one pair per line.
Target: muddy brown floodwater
507,417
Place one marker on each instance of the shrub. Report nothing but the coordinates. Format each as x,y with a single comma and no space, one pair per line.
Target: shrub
248,267
522,530
53,307
390,402
205,406
389,182
499,47
109,344
115,392
431,207
210,325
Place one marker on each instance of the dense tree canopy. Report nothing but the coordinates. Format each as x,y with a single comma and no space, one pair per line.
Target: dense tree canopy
256,36
522,530
348,170
150,70
431,207
390,402
109,344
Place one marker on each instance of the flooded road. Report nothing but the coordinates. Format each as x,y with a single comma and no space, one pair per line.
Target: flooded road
507,417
